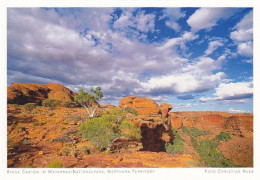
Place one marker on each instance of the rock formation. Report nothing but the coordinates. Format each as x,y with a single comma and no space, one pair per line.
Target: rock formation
59,92
144,106
22,93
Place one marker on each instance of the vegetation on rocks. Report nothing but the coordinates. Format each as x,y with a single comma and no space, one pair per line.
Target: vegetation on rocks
29,107
104,130
177,145
50,103
207,149
223,136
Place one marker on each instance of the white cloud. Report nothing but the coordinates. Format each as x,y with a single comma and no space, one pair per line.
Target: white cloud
243,35
230,91
232,110
189,36
213,45
141,21
173,25
244,29
198,75
205,18
245,48
173,15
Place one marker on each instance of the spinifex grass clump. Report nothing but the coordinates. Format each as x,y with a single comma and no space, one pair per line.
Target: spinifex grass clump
51,103
29,107
103,131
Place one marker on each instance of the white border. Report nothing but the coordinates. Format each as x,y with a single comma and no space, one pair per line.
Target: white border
160,173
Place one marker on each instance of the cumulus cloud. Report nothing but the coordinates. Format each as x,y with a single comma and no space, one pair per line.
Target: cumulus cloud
244,29
206,18
243,35
141,21
213,45
194,77
231,91
173,15
90,47
245,48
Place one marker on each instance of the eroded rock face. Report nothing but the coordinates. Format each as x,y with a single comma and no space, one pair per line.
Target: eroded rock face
22,93
236,124
59,92
155,133
144,106
165,109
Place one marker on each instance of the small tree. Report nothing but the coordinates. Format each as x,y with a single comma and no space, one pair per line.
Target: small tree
89,101
51,103
30,106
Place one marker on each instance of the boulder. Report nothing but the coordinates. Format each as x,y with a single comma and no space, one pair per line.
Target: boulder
60,93
127,102
165,108
22,93
144,106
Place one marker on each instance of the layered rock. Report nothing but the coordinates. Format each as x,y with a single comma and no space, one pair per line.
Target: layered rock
59,92
165,109
236,124
144,106
22,93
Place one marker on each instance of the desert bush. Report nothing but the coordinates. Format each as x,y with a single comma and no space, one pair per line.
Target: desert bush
36,123
100,131
185,130
69,104
131,110
207,149
55,164
194,132
197,132
51,103
104,130
129,130
177,145
30,106
223,136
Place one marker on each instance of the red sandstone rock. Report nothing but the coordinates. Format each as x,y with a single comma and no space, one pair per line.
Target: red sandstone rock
59,92
22,93
144,106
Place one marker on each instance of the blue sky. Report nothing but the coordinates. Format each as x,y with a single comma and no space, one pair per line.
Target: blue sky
193,58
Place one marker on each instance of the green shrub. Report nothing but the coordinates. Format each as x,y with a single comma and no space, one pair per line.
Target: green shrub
100,131
129,130
30,106
196,132
51,103
36,123
131,110
69,104
207,149
185,130
104,130
223,136
55,164
177,145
